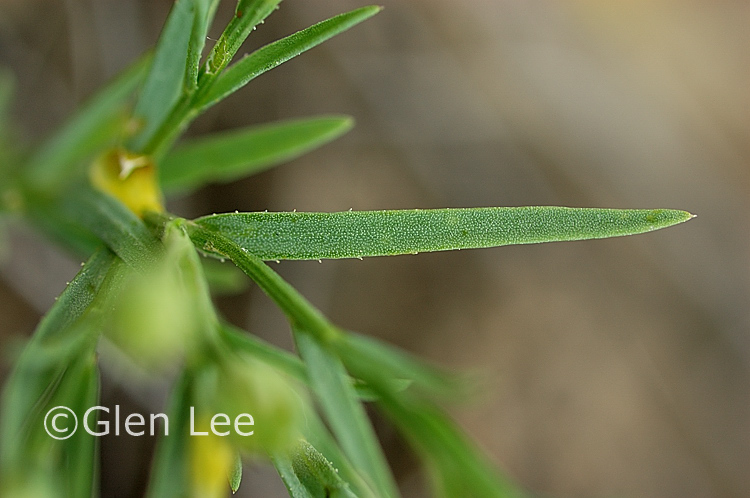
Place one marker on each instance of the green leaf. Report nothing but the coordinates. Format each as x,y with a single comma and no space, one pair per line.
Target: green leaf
65,337
297,309
114,224
366,357
317,474
457,467
204,14
345,414
318,434
169,476
296,489
248,14
235,478
80,392
229,156
71,461
172,60
354,234
70,235
224,279
278,52
97,123
239,340
77,296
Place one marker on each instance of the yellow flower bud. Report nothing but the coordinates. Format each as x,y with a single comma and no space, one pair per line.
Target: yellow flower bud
211,461
129,177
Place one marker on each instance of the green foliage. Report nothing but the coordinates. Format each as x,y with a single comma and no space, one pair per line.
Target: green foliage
229,156
317,474
344,413
350,234
273,54
143,271
97,124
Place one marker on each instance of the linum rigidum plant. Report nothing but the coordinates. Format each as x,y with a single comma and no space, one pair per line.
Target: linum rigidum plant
96,187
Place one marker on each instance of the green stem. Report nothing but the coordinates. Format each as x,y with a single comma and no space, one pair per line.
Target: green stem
297,309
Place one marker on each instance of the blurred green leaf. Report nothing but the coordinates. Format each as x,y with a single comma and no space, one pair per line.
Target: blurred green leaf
457,467
239,340
100,121
354,234
365,356
278,52
163,317
248,14
344,412
64,340
80,391
169,475
114,224
224,279
290,364
68,233
173,59
69,462
230,156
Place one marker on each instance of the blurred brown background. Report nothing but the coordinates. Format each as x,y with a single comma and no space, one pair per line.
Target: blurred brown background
616,367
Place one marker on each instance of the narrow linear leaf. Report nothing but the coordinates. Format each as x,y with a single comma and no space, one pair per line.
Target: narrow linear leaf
235,477
457,467
70,461
278,52
296,489
35,380
164,82
204,14
242,341
169,476
77,296
66,232
318,434
82,448
114,224
365,357
230,156
64,334
317,474
345,414
224,279
159,134
248,14
98,122
301,313
354,234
